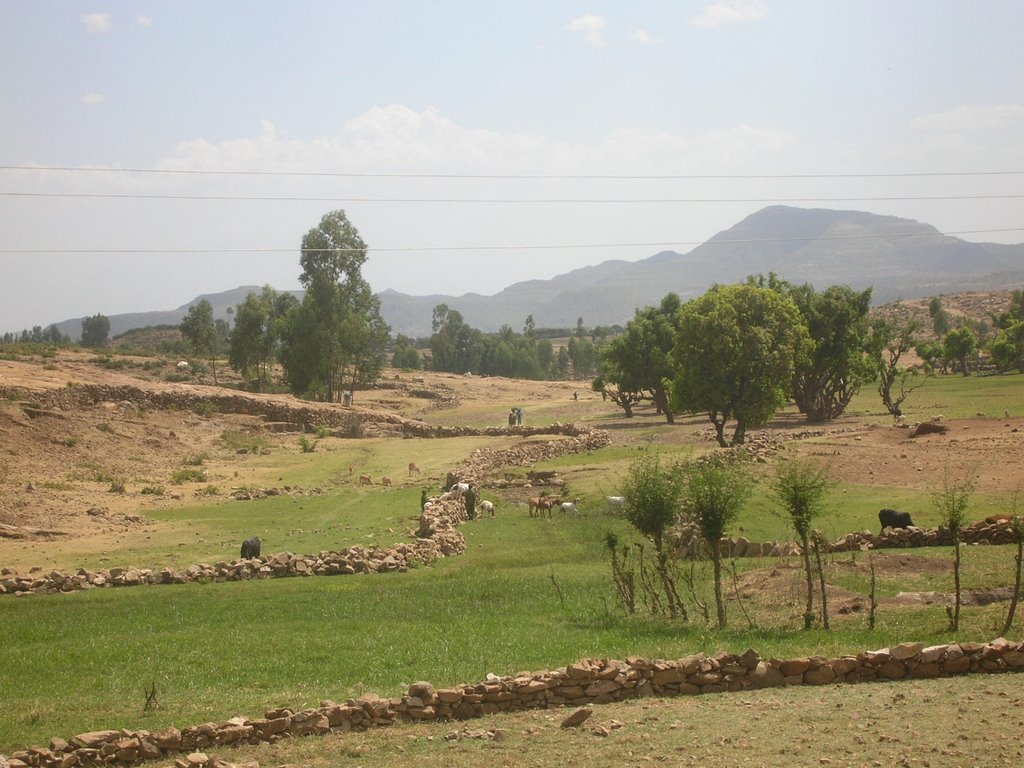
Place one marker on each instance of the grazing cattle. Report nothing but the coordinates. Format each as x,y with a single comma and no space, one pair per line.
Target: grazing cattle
365,480
414,468
251,548
616,503
487,506
890,518
386,481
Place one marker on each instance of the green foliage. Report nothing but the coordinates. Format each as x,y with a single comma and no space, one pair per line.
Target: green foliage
95,331
104,426
653,496
736,352
891,340
839,361
195,460
335,339
200,330
640,359
1007,348
205,409
404,354
72,441
307,445
714,497
183,476
255,338
117,485
961,345
152,490
457,347
952,501
801,485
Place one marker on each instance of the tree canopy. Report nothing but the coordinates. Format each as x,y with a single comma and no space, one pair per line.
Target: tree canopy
95,331
736,351
336,337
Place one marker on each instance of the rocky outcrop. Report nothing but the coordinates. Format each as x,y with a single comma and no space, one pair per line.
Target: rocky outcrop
587,682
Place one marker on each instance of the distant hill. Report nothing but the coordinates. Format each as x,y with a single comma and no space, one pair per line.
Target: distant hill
898,258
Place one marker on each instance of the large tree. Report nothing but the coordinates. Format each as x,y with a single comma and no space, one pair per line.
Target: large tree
201,332
892,339
736,351
641,358
336,338
839,361
95,331
255,338
960,345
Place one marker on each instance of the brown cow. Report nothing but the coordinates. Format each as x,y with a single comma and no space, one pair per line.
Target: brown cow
413,468
365,480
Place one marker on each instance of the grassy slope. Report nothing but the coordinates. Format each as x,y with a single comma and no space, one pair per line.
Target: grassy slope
70,663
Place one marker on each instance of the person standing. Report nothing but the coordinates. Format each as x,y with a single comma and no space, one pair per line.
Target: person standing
470,497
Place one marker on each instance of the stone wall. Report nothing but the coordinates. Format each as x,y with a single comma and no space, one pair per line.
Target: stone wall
587,682
437,537
981,532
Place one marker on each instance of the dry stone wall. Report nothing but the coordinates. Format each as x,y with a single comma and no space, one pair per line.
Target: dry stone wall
981,532
587,682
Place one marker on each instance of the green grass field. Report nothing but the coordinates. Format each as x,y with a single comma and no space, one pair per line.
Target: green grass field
529,594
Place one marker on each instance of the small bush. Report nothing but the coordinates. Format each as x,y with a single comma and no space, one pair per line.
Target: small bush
210,490
58,486
323,431
153,490
204,409
189,476
196,460
117,486
176,378
71,442
103,477
307,445
105,427
240,441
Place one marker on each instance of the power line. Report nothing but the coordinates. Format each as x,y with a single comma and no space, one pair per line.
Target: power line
526,176
432,248
499,201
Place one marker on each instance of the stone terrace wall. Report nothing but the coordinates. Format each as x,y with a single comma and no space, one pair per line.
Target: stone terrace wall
348,420
437,537
587,682
981,532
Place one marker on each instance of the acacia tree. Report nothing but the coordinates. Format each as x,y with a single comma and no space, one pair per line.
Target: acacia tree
201,332
892,340
95,331
714,497
735,354
336,337
800,486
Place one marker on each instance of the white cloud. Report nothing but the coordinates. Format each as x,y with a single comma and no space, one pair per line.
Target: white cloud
641,37
144,21
730,12
97,22
90,99
972,119
591,27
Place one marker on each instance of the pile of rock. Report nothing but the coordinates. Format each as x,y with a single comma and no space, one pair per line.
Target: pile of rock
486,460
687,542
587,682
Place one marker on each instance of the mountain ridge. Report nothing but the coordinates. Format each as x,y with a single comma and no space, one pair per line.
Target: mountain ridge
898,258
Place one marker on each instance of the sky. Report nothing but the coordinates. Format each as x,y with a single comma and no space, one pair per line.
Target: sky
474,145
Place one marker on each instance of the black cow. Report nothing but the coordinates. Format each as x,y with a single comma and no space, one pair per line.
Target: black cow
251,548
890,518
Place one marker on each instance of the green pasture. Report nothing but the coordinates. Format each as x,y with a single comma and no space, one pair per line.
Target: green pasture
529,594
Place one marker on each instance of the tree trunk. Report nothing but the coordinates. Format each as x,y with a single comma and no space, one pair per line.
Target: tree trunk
716,558
808,573
955,625
739,436
720,432
1016,589
821,582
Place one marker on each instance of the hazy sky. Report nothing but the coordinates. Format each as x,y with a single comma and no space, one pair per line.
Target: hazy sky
468,94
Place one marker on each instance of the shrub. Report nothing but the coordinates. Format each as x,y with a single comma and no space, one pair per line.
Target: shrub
153,490
196,460
307,445
105,427
204,409
117,486
189,476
